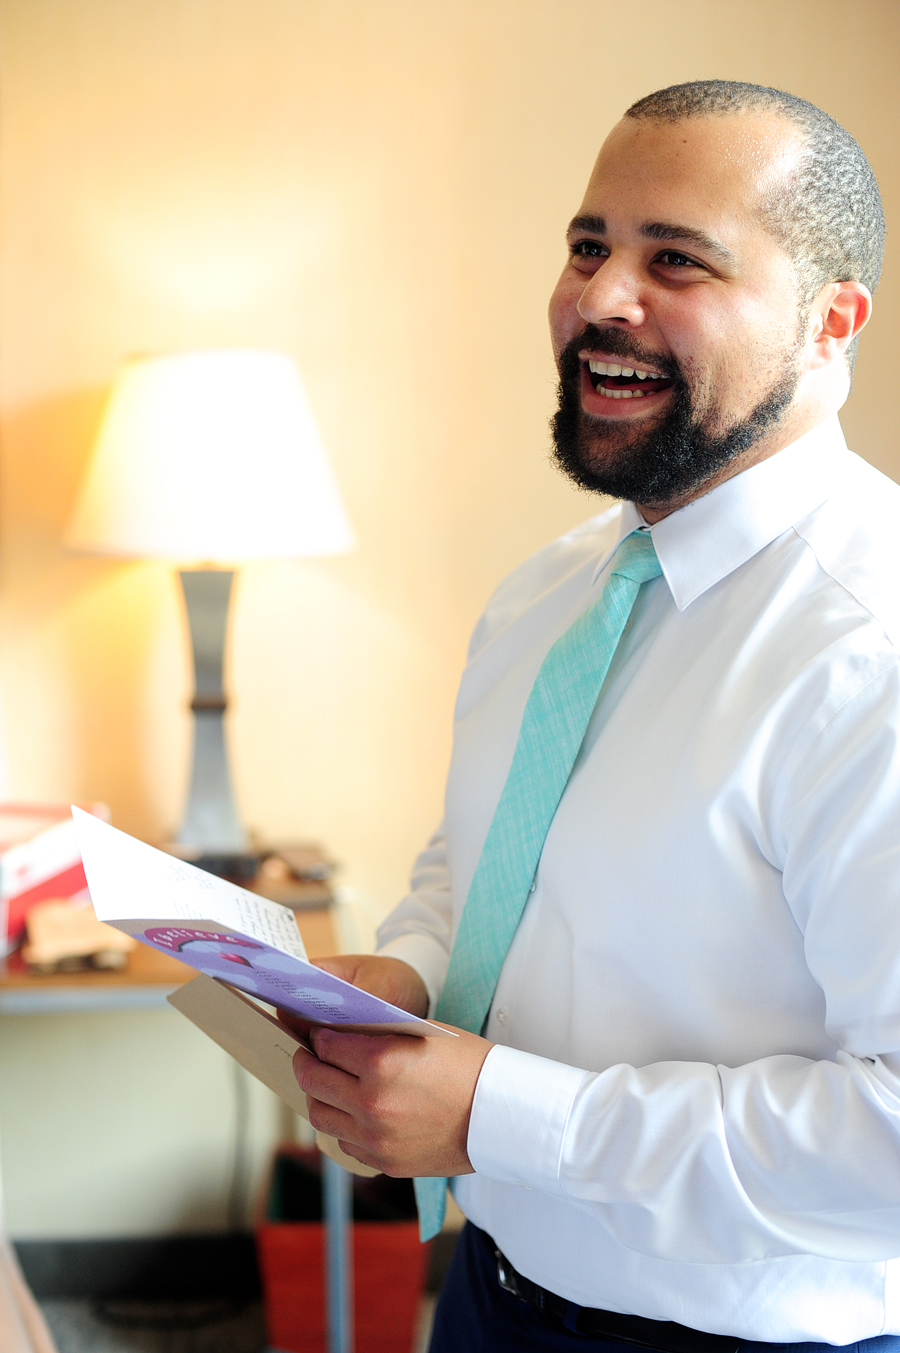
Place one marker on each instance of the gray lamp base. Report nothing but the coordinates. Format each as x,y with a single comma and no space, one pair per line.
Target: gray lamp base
211,834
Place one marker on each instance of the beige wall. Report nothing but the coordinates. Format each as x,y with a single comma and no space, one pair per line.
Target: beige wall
381,187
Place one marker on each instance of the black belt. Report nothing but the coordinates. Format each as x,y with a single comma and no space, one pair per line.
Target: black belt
627,1329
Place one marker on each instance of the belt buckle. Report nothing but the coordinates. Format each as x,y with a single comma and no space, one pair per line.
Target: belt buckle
505,1276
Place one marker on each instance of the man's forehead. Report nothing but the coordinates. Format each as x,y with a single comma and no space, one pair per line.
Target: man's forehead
717,162
750,139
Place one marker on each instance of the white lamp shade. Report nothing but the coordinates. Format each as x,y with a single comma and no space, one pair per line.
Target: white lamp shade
210,456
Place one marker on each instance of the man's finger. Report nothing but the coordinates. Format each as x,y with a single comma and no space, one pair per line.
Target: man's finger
360,1154
335,1123
354,1053
322,1081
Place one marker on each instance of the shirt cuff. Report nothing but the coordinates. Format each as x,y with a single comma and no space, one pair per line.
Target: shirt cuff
424,953
519,1117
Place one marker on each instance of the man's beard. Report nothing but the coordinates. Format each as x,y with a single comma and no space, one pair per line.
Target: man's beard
666,460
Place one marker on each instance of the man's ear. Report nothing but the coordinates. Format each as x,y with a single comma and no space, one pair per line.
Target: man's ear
838,313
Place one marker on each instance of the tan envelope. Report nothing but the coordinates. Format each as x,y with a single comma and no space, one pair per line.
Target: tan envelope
256,1040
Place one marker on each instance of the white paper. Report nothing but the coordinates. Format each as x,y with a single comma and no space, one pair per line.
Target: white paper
224,931
131,881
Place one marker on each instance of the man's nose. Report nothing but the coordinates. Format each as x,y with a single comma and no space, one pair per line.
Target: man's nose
613,294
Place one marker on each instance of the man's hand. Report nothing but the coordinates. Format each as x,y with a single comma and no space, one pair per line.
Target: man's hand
390,978
398,1103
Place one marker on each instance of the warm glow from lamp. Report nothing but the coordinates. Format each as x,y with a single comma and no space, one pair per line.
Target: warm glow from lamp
210,456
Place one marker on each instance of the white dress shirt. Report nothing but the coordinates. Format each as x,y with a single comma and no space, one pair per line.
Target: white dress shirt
693,1109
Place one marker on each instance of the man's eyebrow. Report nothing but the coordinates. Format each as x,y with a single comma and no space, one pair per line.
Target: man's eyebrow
595,224
663,231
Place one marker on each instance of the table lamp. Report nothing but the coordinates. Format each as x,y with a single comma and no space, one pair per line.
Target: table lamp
209,457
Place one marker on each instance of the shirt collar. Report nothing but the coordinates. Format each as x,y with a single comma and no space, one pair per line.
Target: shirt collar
707,539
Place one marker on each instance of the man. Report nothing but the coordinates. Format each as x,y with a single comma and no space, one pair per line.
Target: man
681,1126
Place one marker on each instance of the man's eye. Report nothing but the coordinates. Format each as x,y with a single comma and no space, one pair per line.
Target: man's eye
673,259
587,252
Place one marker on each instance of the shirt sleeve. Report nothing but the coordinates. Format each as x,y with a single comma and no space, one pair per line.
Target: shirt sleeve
419,928
693,1162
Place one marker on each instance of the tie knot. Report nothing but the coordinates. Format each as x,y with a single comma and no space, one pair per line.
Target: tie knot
636,558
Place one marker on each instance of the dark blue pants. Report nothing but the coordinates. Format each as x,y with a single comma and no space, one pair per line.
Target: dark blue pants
476,1315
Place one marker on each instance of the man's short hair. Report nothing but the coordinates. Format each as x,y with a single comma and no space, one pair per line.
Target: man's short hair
828,214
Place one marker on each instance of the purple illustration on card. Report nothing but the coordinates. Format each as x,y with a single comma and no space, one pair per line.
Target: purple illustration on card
274,976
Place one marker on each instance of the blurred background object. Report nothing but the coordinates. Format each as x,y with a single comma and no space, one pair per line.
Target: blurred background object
39,862
63,936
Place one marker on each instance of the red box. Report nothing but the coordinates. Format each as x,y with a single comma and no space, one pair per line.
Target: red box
39,860
389,1269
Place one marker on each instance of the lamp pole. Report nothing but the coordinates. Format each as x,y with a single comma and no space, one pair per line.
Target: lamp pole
210,822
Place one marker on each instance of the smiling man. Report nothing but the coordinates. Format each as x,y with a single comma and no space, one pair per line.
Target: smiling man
664,911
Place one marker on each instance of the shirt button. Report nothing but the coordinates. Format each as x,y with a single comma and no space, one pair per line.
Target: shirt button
503,1015
533,887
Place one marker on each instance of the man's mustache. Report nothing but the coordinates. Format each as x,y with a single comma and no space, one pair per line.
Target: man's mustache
614,343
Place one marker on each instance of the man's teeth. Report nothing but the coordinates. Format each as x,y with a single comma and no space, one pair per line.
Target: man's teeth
613,369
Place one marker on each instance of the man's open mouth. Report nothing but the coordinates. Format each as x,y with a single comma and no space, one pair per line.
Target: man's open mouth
617,381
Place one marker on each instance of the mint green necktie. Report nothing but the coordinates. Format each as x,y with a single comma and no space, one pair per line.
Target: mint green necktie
556,717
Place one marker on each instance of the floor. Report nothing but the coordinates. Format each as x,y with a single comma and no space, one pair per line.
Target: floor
173,1327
